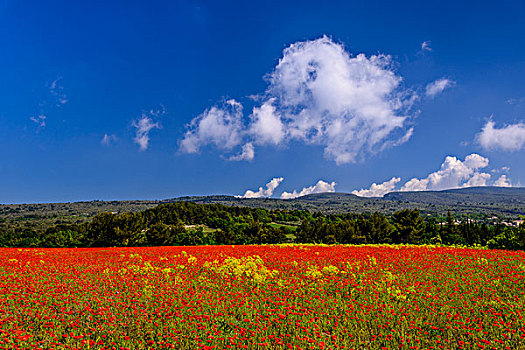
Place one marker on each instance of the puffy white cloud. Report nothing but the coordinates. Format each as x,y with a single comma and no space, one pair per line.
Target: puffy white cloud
416,185
475,161
380,190
220,126
508,138
108,139
266,125
39,120
320,95
425,45
454,173
477,179
350,105
320,187
503,181
268,192
143,125
438,86
247,153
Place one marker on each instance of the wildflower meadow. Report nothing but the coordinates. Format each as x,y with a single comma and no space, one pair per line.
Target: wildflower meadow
262,297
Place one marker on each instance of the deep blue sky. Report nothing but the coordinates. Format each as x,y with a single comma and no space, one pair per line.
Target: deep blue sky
93,68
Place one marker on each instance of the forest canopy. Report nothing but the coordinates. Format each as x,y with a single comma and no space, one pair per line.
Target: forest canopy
186,223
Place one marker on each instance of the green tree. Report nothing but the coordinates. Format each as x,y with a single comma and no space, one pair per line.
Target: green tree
409,226
450,234
381,230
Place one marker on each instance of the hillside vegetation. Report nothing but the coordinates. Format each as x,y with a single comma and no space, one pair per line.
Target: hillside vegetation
187,223
478,203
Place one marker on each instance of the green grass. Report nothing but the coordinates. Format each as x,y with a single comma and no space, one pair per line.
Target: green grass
287,226
205,228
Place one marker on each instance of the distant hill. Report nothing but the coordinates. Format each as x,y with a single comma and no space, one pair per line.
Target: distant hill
470,195
481,202
475,202
472,201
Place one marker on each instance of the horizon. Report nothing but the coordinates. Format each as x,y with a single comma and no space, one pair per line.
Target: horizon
261,198
277,100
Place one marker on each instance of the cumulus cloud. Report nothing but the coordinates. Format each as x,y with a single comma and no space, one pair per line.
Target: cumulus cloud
438,86
264,193
266,125
143,125
320,187
508,138
453,173
475,161
380,190
221,126
503,181
349,105
108,139
317,94
415,185
477,179
247,153
425,46
39,120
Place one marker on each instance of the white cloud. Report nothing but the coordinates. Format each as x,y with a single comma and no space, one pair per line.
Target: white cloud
380,190
39,120
266,125
247,153
108,139
57,90
416,185
454,173
508,138
268,192
349,105
320,95
477,179
515,101
144,125
438,86
220,126
320,187
425,45
503,181
405,137
475,161
55,95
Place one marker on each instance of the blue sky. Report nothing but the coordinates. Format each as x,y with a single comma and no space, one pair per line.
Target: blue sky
152,100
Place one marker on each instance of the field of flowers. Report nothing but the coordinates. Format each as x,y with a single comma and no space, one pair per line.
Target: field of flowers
257,297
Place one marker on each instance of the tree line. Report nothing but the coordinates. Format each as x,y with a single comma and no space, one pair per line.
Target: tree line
186,223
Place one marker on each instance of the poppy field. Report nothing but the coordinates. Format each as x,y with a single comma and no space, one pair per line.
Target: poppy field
262,297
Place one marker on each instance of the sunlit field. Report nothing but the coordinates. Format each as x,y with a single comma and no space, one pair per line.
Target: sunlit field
257,297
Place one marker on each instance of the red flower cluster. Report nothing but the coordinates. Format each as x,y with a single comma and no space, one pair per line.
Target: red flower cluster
256,297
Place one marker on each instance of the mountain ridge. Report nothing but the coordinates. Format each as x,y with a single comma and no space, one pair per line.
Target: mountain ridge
474,202
471,201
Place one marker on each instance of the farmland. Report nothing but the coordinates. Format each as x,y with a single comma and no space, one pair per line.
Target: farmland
257,297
